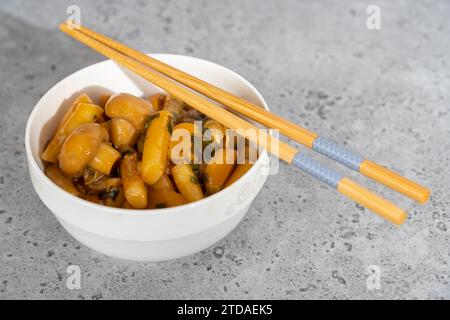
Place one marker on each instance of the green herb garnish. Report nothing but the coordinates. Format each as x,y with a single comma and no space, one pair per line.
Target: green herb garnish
150,119
128,151
194,179
102,195
196,168
110,193
113,193
161,205
90,170
197,171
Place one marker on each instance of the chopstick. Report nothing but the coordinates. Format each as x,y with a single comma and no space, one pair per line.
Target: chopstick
291,155
308,138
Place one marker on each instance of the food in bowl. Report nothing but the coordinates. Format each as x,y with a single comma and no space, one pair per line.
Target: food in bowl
142,153
141,235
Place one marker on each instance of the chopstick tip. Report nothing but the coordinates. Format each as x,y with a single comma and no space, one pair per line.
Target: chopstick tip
424,196
400,218
63,26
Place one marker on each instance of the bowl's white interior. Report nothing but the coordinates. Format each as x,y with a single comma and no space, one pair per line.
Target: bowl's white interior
108,77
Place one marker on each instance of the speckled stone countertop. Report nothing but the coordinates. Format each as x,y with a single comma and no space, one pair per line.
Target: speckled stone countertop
384,92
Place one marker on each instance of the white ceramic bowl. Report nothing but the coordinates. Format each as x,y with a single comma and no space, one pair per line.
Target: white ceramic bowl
145,235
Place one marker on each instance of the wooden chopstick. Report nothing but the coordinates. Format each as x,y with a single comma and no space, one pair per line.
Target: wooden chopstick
304,136
347,187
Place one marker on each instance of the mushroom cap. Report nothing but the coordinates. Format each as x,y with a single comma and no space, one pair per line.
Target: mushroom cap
131,108
81,146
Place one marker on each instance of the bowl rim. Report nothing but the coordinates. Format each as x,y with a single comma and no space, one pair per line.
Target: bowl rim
140,212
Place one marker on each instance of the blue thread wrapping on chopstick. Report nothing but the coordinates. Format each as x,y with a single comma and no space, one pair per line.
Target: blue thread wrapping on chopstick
316,169
338,153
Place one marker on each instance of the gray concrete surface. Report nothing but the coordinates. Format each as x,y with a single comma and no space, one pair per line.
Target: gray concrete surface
383,92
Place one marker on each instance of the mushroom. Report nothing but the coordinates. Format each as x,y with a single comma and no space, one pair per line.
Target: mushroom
105,158
130,108
122,133
175,106
80,147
